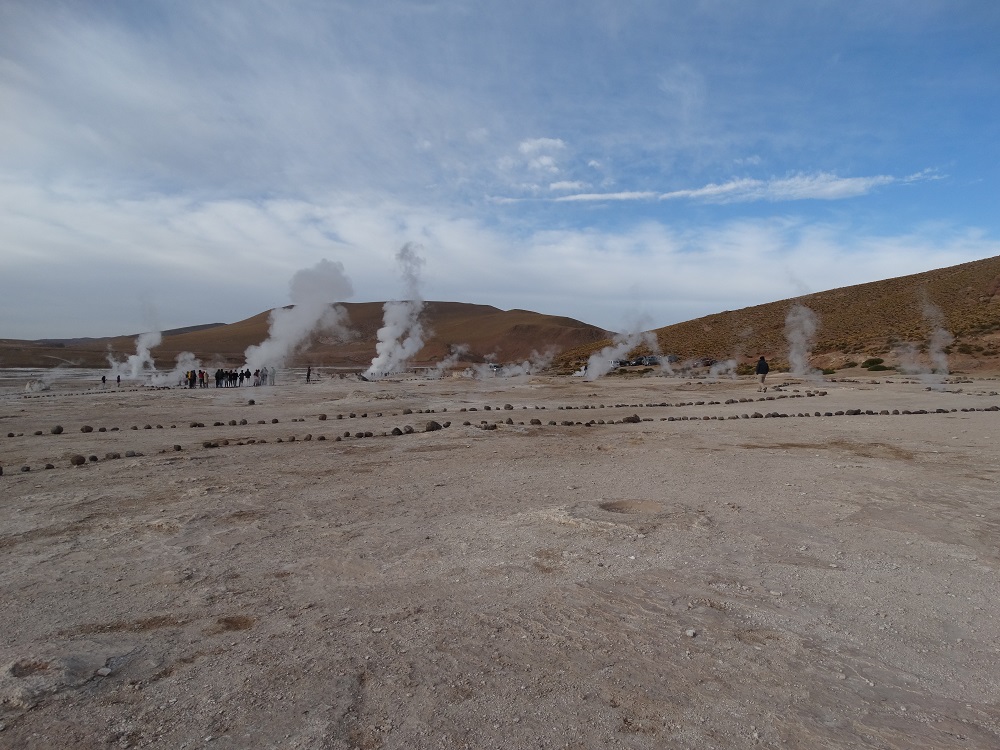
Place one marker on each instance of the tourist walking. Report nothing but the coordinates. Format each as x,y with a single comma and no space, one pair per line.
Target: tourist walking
761,371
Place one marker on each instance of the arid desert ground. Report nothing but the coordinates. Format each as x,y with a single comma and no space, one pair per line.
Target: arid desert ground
689,578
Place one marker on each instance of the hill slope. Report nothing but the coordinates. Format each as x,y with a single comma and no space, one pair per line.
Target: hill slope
506,335
855,322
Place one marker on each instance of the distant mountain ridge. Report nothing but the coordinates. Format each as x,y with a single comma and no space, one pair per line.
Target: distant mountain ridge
91,339
481,331
875,319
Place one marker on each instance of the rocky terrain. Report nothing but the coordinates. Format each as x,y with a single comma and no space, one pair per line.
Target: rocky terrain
636,562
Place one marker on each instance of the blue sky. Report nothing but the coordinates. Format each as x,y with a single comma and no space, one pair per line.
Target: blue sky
629,164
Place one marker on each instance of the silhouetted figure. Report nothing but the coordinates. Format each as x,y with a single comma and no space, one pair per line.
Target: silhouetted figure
761,370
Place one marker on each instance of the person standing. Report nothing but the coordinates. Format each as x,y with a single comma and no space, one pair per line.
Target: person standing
761,371
309,372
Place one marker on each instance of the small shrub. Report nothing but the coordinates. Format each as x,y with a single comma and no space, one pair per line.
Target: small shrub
850,363
829,371
872,362
880,368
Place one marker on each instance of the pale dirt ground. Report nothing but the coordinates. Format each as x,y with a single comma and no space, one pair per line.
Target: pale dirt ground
805,582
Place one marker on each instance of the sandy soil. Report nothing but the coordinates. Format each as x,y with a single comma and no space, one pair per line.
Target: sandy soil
692,579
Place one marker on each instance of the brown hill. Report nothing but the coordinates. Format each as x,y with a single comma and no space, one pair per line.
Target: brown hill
506,335
868,320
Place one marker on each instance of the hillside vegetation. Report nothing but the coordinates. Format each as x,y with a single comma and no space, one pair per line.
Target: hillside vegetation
855,322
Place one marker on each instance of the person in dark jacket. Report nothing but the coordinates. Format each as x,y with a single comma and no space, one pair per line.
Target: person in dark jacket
761,372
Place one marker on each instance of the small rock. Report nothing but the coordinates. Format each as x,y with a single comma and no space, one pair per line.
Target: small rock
691,632
103,672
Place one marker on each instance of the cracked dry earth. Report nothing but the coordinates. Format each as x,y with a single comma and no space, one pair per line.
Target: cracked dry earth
692,579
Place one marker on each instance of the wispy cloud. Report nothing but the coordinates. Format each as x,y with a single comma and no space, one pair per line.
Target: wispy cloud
820,186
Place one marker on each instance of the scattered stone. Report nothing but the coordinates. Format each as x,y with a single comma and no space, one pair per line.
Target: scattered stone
251,402
86,428
431,426
92,459
691,633
47,466
77,460
25,468
57,430
103,672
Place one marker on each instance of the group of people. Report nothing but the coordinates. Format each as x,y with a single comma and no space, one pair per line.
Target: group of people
230,378
237,378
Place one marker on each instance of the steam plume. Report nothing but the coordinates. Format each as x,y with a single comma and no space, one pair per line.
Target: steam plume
314,292
728,367
800,333
401,335
937,344
137,365
599,363
442,367
535,363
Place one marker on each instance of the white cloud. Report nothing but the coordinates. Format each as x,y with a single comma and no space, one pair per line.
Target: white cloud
534,146
228,259
200,154
820,186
